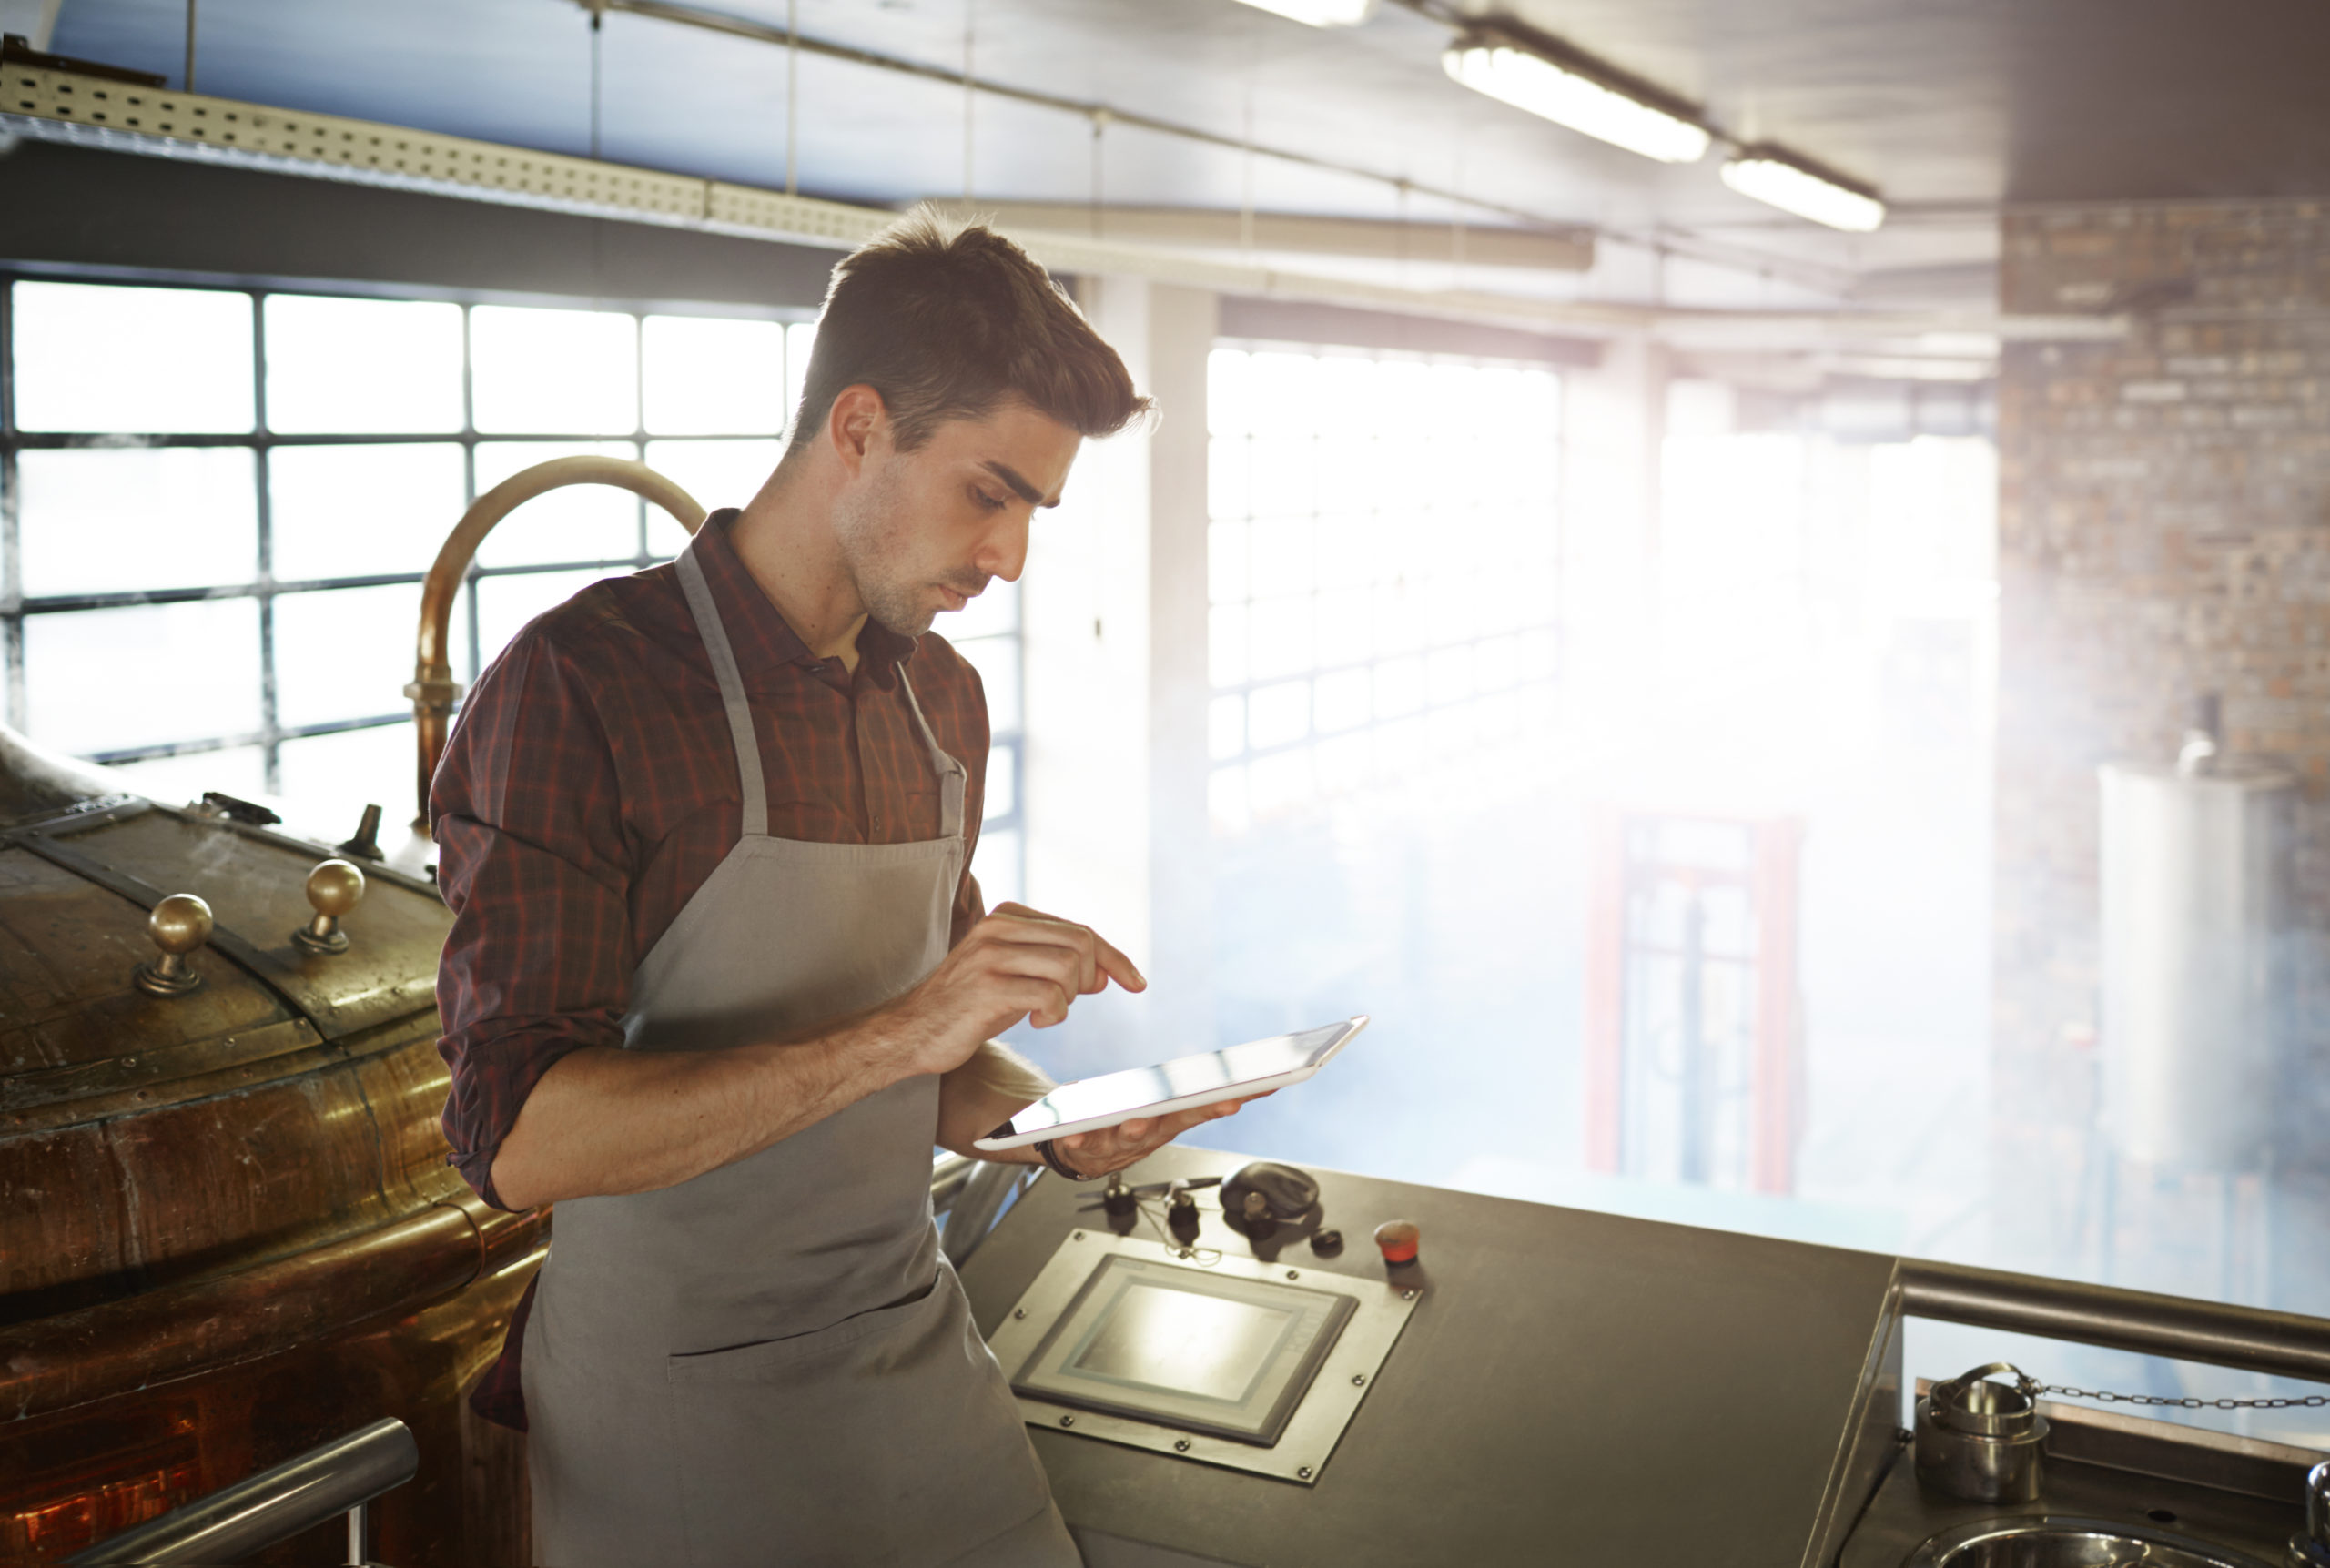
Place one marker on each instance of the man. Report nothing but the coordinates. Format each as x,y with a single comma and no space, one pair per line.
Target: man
719,976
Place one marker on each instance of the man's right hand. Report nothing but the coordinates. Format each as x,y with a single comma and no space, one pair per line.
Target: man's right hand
1018,963
607,1120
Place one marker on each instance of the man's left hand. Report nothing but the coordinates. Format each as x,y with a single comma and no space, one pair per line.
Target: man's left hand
1111,1148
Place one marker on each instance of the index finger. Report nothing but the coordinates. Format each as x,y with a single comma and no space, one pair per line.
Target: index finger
1116,965
1105,954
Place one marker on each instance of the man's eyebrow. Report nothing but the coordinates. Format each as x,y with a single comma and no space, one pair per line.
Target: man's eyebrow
1019,487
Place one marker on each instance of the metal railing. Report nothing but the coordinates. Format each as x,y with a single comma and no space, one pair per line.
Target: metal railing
2250,1339
338,1477
972,1194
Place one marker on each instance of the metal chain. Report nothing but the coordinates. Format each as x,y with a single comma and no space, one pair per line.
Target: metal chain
2309,1401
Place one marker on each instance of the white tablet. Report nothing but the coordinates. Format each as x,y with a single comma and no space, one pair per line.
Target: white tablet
1181,1083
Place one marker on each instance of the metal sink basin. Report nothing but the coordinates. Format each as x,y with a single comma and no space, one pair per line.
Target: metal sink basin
2043,1541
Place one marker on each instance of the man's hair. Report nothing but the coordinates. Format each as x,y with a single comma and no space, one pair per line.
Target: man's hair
950,323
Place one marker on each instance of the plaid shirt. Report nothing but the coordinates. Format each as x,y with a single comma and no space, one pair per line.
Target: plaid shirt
590,788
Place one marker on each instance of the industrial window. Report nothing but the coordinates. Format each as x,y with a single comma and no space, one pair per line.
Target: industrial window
216,505
1382,561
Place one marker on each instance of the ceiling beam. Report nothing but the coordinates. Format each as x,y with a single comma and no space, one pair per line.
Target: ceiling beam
85,110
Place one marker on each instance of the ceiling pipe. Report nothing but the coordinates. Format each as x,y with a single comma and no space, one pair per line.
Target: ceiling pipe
1698,249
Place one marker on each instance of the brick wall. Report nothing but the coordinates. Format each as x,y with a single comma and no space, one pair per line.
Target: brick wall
2164,530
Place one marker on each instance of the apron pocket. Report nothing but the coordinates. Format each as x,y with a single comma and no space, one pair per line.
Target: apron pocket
888,1438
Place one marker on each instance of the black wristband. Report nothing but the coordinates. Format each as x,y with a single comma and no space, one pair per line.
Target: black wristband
1059,1166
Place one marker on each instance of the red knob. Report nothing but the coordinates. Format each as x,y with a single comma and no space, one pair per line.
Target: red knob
1398,1240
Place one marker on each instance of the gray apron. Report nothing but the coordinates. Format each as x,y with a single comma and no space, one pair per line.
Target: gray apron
772,1363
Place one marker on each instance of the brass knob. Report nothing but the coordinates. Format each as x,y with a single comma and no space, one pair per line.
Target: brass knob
179,924
334,888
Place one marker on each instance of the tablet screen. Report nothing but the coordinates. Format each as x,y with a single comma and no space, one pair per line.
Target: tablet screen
1114,1097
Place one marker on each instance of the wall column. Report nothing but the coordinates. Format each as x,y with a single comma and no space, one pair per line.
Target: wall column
1115,616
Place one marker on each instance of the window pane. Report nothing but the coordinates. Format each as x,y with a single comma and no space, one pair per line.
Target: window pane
708,376
92,357
237,771
1226,799
1228,382
576,522
362,366
1226,728
1282,645
997,658
998,866
1002,784
347,652
1225,562
110,519
1276,715
716,473
553,371
1227,459
362,511
993,613
1226,644
88,674
329,780
1281,782
798,340
504,605
1345,700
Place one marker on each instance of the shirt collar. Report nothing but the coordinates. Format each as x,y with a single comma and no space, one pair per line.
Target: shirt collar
758,634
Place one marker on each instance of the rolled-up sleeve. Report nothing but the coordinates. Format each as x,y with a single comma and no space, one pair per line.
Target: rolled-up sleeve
526,811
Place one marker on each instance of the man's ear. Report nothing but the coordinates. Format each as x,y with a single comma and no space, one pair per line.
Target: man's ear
855,421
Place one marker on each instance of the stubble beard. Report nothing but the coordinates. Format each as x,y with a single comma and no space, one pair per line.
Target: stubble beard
876,532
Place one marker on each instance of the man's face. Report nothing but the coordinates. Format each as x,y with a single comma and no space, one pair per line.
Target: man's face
925,531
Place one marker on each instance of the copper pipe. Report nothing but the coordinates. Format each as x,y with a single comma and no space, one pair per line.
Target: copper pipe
434,690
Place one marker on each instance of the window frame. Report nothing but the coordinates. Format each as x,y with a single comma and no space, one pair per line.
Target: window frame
1549,683
262,443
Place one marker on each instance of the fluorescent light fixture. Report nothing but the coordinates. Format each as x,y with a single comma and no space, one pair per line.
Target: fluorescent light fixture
1794,188
1320,13
1530,81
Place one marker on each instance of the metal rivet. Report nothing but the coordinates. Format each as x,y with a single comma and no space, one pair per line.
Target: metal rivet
1180,1445
1067,1421
1295,1273
1078,1237
1305,1473
1357,1379
1019,1311
1407,1295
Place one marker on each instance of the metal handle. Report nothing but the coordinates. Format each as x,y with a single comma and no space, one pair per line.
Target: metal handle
1952,1407
434,690
274,1505
2249,1338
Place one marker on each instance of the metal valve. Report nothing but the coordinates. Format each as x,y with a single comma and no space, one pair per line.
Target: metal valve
334,888
179,924
2311,1548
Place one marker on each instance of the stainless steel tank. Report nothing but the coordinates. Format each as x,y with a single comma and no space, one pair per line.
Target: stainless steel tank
2195,862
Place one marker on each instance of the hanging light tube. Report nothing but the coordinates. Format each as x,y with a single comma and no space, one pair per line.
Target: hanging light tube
1320,13
1572,95
1779,180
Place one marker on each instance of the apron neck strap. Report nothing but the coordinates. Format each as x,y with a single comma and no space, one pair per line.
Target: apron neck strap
732,690
953,780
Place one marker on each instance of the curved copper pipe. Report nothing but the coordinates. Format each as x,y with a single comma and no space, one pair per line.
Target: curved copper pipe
434,690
